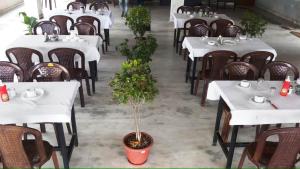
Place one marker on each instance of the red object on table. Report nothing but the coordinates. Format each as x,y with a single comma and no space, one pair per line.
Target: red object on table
285,87
4,94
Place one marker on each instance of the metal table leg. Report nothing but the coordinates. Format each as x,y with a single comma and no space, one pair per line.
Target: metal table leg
106,35
193,75
61,141
188,69
232,146
218,120
74,126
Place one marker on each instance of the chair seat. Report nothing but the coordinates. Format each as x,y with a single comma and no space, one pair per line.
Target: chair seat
32,153
269,150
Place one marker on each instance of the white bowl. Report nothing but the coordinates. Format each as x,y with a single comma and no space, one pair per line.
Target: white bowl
211,43
259,99
245,83
243,37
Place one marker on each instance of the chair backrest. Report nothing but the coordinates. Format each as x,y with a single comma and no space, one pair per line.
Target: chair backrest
84,28
199,30
185,9
231,31
47,27
258,58
203,8
97,5
239,71
91,20
24,58
8,70
75,5
62,21
285,155
190,23
219,25
66,57
49,71
82,1
213,63
279,70
12,151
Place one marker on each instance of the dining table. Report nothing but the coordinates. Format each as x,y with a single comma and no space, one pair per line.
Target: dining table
52,103
105,17
246,110
199,46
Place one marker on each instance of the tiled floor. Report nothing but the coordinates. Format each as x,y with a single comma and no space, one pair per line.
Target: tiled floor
181,128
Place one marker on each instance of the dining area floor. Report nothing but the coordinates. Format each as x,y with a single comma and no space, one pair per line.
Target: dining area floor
182,129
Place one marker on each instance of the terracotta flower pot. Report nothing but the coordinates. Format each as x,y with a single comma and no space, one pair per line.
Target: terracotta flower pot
137,156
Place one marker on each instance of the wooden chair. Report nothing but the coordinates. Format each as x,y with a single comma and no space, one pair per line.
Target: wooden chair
18,153
62,21
66,57
268,154
84,28
84,2
8,70
219,25
212,64
97,5
279,70
46,27
75,5
231,31
258,58
93,20
24,58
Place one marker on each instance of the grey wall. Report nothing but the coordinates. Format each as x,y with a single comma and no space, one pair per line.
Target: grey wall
6,5
288,9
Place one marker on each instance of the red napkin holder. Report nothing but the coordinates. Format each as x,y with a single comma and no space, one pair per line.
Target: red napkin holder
3,93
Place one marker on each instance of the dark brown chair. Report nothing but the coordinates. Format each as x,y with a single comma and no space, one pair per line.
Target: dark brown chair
75,5
198,30
279,70
219,25
97,5
18,153
231,31
189,23
82,1
8,70
47,27
49,72
185,9
93,20
239,71
66,57
212,64
84,28
24,58
268,154
258,58
62,21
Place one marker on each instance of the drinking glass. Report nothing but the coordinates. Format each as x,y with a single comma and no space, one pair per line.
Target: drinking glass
260,82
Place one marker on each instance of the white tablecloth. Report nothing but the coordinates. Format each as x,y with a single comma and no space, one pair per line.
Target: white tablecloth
246,112
198,46
89,47
180,19
54,106
106,18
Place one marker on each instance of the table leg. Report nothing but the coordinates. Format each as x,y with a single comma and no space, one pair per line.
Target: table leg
61,141
177,39
93,73
218,120
188,69
232,146
106,35
174,41
50,4
193,75
74,126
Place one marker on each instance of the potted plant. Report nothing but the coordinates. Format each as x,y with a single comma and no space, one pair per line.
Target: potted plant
253,24
29,21
142,49
134,85
138,20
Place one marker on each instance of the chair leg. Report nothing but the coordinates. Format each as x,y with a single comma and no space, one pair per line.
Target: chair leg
69,128
241,163
88,88
81,95
93,85
103,51
55,160
177,40
204,92
43,128
197,84
174,40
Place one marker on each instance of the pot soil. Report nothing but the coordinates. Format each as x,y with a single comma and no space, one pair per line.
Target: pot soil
137,153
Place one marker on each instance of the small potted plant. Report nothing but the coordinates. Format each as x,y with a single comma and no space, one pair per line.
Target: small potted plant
253,25
142,49
29,21
134,85
138,20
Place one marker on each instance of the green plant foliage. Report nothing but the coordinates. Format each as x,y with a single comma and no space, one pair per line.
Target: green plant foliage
30,22
143,49
253,24
138,19
134,83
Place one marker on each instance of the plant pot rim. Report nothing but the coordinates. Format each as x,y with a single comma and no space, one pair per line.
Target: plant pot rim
133,133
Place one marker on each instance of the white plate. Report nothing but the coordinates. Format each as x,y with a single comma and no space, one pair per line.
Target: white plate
229,42
211,43
39,93
253,101
239,85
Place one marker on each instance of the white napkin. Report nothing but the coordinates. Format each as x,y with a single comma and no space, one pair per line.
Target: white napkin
16,79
